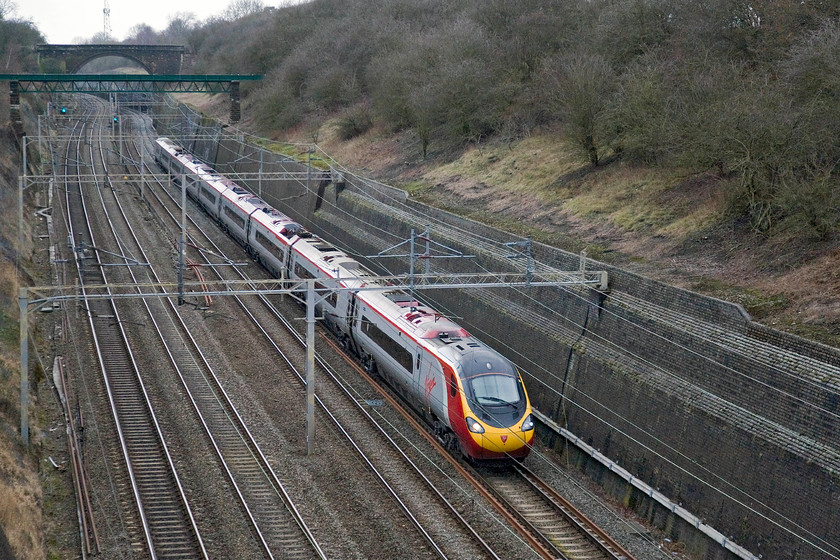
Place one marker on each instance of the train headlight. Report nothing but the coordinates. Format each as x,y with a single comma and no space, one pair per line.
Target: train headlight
528,424
474,426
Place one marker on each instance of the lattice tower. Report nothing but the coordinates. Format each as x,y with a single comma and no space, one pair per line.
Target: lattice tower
107,12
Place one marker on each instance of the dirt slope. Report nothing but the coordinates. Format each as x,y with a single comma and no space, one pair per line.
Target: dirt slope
662,224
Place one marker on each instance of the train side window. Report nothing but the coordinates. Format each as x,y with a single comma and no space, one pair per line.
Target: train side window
331,297
261,239
302,272
208,195
453,387
388,344
269,246
238,220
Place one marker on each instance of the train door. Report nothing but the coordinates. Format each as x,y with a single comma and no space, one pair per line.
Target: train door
424,381
327,306
348,341
292,257
191,186
431,388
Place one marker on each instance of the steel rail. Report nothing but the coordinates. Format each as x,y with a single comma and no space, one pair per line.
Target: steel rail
176,479
84,508
86,518
600,538
101,360
523,531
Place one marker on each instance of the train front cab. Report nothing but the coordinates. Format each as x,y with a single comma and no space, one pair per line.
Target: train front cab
495,421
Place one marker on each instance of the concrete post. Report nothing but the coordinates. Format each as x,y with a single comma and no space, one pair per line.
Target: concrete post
428,234
411,266
142,170
40,149
24,367
119,140
21,236
310,365
182,241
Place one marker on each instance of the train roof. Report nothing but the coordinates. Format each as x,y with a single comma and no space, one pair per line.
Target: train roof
262,212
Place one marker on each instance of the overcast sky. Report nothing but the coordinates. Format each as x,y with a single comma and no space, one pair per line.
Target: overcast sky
67,21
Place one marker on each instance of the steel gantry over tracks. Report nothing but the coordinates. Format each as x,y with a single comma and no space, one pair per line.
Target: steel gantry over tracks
125,83
308,291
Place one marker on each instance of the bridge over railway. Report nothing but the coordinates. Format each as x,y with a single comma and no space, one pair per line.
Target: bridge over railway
122,84
69,59
162,62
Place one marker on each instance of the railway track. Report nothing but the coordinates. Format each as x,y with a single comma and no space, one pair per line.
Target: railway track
225,427
276,523
562,525
549,523
160,521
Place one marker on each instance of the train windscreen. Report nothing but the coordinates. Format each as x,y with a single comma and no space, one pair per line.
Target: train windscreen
493,389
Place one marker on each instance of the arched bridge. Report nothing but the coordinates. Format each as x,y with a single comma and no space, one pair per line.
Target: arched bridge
67,59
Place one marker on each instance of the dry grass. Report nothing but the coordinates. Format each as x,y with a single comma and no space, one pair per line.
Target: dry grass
20,489
20,502
631,199
538,179
8,286
531,165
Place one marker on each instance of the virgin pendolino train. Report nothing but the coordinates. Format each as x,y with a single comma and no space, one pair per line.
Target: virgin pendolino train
471,396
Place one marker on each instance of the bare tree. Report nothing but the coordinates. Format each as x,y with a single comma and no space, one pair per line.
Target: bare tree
142,34
579,87
813,65
180,26
100,38
241,8
7,9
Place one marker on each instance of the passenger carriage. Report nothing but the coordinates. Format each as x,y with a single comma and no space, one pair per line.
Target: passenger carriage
470,394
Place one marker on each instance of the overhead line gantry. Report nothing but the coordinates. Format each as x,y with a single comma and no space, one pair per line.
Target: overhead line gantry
124,83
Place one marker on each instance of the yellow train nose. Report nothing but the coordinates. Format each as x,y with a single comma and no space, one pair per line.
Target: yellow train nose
502,441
